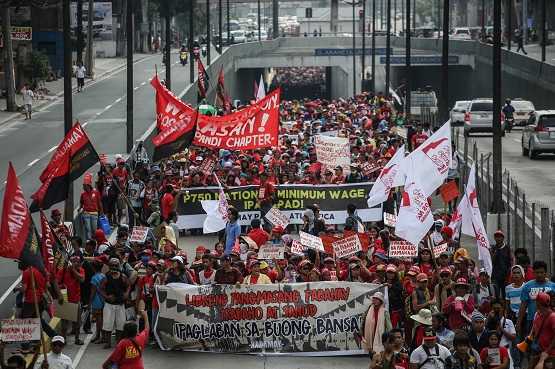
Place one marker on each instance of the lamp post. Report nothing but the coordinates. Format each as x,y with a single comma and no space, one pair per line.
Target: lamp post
445,64
208,32
258,21
354,52
497,205
363,56
220,41
129,80
374,46
407,60
388,48
68,100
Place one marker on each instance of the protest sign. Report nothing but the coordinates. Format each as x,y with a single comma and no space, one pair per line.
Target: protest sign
368,168
297,248
310,241
269,252
402,249
138,234
291,200
333,152
389,219
347,246
207,166
315,318
449,191
277,218
67,311
438,249
18,330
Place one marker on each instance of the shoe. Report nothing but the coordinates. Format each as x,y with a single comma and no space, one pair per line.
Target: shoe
78,342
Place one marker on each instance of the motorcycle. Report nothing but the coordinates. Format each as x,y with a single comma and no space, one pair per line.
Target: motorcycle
204,50
183,56
509,123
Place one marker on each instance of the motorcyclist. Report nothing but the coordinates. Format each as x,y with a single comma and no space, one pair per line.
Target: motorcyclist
183,54
508,111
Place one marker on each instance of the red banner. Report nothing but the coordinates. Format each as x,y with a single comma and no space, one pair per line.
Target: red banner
253,127
47,243
169,108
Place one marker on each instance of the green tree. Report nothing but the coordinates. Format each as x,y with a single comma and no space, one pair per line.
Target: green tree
39,66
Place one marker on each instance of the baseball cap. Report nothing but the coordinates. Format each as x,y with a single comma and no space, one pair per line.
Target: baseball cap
59,339
177,258
429,333
263,265
422,277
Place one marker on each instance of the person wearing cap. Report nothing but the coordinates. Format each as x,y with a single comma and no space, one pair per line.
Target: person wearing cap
530,290
444,336
409,282
115,291
179,273
430,354
135,194
395,293
90,206
167,202
58,227
128,353
478,332
255,277
228,274
266,195
71,276
502,258
543,332
458,304
421,297
444,288
56,359
376,323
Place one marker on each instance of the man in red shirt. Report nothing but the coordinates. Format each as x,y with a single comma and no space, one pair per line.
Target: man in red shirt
543,330
418,138
266,193
257,234
128,353
90,205
71,276
29,298
167,203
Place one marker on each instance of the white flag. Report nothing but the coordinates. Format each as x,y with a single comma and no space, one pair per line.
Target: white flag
415,215
432,158
383,184
472,223
261,93
216,211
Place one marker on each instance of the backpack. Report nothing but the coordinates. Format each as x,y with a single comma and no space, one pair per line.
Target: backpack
429,356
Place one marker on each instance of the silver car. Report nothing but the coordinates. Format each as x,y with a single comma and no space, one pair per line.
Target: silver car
538,136
457,113
479,117
523,108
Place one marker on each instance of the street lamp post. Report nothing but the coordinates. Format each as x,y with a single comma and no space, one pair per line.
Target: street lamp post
167,46
497,205
354,52
445,63
407,61
363,56
388,48
544,29
258,21
374,46
80,29
129,81
191,39
227,15
509,23
220,21
68,107
208,32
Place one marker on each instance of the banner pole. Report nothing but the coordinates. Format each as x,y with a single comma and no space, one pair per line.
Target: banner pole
37,312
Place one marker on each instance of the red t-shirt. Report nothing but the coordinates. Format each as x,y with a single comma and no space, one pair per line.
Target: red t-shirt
272,274
547,333
166,205
259,236
40,285
90,201
418,139
129,356
65,277
503,353
122,175
265,193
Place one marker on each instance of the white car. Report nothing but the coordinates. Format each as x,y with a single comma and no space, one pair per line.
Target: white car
239,36
462,33
458,112
523,109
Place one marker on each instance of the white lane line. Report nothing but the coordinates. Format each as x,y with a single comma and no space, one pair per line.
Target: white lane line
143,83
117,100
33,162
98,113
107,107
9,290
136,88
515,140
85,124
81,351
53,148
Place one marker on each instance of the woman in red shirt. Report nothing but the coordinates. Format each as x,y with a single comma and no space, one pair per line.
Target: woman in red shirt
494,356
128,353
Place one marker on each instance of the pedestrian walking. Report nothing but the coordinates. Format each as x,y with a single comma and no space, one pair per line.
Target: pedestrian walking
80,75
519,36
28,96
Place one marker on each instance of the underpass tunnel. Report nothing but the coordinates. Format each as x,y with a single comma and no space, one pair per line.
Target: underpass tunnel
298,83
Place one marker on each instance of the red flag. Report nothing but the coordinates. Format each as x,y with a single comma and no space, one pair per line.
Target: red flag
56,187
223,98
175,137
18,235
202,81
47,243
169,108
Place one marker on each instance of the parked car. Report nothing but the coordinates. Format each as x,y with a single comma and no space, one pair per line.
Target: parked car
523,108
538,136
479,117
462,33
458,112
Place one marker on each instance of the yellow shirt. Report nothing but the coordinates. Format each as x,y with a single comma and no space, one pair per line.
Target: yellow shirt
262,279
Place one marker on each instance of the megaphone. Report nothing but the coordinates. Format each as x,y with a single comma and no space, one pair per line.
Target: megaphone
523,346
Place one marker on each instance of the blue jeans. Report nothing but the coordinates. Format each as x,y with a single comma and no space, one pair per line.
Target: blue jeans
91,222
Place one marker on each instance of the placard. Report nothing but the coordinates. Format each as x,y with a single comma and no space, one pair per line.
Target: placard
310,241
333,152
207,167
368,168
439,249
138,234
277,218
449,191
67,311
347,246
389,220
297,248
270,252
18,330
402,249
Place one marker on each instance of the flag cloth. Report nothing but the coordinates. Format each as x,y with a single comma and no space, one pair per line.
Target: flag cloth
18,236
383,184
415,215
433,159
169,108
472,223
56,187
261,92
202,81
48,243
255,90
221,94
175,137
82,154
216,211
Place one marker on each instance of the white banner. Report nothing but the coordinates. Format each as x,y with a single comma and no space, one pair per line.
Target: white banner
138,234
310,241
402,249
346,246
333,152
18,330
277,218
270,252
297,248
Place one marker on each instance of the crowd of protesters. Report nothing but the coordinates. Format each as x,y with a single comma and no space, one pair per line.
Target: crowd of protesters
440,311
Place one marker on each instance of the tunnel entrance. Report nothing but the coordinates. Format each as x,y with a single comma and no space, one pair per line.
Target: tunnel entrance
303,82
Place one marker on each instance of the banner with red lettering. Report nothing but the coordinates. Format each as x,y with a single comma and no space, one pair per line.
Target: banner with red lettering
169,108
253,127
316,318
47,243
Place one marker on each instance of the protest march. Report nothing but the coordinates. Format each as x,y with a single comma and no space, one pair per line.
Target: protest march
331,238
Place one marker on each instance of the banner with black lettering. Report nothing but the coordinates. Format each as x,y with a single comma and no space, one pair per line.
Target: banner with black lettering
315,318
292,200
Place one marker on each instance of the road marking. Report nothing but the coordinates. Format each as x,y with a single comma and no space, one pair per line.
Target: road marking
107,107
515,140
53,148
117,100
10,289
144,83
98,113
136,88
82,350
33,162
84,124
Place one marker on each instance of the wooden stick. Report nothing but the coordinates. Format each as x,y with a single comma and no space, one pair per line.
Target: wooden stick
37,311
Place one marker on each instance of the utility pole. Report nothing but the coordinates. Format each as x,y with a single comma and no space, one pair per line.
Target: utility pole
525,21
227,21
168,46
9,76
68,107
275,18
192,38
258,21
497,206
444,100
407,62
129,55
89,54
388,48
509,23
543,28
363,56
208,32
374,46
79,30
354,52
220,20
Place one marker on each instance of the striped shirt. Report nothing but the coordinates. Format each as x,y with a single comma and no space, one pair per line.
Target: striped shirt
512,294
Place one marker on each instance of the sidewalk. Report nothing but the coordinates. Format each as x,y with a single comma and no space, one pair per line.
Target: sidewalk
102,68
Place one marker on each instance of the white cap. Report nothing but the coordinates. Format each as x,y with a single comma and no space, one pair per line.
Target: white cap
177,258
58,339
